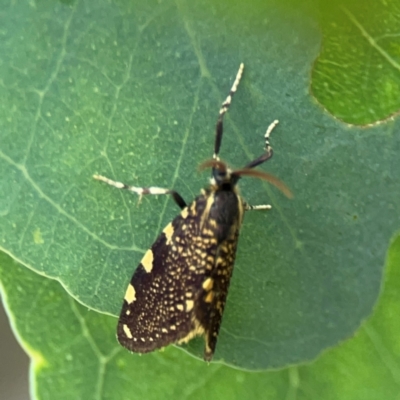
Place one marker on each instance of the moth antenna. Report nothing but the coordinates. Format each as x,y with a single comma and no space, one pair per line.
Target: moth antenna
212,163
266,177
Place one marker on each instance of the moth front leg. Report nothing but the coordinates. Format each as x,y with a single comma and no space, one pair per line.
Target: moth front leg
248,207
143,190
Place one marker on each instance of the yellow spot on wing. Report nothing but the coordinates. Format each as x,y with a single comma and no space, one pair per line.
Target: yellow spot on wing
198,330
209,297
212,223
147,261
189,305
127,331
168,231
208,284
204,217
184,213
130,294
208,352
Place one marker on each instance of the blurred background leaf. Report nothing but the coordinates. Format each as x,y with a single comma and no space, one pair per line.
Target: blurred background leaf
356,76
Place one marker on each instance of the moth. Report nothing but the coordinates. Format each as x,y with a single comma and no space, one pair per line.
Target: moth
180,287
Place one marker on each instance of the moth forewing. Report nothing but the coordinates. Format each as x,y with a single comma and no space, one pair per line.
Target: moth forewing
179,290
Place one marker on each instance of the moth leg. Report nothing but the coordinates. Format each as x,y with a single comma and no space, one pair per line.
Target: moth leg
248,207
224,108
142,191
268,149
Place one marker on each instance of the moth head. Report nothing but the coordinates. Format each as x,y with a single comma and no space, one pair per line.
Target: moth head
222,175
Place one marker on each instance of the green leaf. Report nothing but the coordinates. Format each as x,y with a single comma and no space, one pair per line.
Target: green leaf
356,76
366,367
131,90
74,352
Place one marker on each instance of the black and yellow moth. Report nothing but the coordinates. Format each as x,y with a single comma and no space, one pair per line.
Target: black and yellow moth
180,287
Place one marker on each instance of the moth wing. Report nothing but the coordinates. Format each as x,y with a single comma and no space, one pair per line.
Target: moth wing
216,296
162,300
